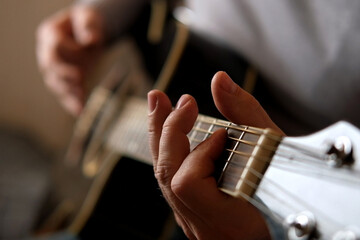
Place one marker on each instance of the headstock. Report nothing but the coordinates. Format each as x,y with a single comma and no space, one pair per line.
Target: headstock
312,186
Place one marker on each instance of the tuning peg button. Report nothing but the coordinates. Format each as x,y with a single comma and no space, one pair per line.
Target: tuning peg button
349,233
301,225
341,152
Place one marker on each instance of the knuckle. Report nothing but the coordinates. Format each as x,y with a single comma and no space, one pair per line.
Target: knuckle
152,130
162,174
179,185
168,127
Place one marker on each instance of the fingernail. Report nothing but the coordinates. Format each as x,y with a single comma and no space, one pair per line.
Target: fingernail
152,102
182,101
227,84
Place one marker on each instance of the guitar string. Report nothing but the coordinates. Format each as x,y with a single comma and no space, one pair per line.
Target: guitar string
301,166
304,150
253,201
266,147
294,209
251,143
300,162
256,203
227,124
333,176
313,157
258,131
261,206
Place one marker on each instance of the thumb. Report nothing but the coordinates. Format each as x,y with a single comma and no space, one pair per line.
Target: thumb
88,25
237,105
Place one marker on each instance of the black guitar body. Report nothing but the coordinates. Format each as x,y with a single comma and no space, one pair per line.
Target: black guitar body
200,60
130,206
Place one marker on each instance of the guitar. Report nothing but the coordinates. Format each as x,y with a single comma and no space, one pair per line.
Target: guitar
308,185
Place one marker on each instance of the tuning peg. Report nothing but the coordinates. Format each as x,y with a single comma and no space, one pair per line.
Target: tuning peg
349,233
341,152
301,226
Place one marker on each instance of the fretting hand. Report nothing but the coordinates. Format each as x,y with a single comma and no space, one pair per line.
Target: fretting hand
186,178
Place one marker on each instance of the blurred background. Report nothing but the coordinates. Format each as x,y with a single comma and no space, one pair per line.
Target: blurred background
34,129
26,107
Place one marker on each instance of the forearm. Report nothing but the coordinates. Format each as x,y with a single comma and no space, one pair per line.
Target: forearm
118,15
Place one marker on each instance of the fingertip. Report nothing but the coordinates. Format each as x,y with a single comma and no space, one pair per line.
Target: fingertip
222,81
184,100
152,101
157,99
220,134
88,25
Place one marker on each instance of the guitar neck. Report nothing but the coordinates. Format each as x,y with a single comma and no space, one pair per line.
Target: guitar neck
246,156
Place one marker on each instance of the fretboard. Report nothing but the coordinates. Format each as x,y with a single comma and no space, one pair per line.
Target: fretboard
246,156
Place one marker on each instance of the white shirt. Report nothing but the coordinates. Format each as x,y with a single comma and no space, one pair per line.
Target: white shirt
309,49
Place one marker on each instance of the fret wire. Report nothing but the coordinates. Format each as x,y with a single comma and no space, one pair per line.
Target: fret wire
243,141
229,137
209,132
253,130
249,183
255,157
297,170
261,206
239,153
270,148
229,162
302,171
193,134
252,170
234,151
195,140
251,143
226,163
230,156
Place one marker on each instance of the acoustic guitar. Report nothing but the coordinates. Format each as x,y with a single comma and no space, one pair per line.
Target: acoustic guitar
307,186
